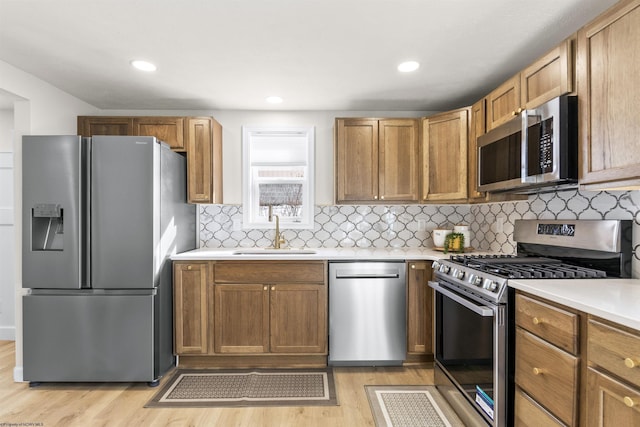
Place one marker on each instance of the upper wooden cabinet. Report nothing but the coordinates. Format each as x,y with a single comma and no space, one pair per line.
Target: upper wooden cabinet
477,127
444,156
89,126
376,160
503,103
168,129
609,98
200,137
204,159
550,76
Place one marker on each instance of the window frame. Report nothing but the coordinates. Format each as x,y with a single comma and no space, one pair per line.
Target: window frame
248,185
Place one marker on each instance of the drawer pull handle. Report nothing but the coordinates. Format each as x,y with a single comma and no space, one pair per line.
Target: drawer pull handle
631,363
537,371
537,320
629,402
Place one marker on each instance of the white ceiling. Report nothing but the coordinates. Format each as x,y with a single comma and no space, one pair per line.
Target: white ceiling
316,54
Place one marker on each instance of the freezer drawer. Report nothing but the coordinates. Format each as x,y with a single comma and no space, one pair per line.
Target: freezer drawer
89,337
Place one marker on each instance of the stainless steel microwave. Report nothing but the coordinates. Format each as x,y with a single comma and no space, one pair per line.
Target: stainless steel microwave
534,152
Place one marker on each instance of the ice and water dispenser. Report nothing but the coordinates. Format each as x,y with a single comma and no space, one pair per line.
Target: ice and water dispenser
47,227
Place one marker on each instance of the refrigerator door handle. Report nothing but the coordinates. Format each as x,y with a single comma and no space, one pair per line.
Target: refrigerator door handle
85,229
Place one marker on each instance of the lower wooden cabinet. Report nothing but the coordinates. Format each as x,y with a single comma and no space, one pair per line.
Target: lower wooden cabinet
240,314
573,368
191,331
613,378
419,312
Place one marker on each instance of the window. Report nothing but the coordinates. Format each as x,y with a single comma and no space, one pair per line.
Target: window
278,173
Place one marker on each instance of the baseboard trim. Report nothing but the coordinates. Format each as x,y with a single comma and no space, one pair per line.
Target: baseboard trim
7,333
18,375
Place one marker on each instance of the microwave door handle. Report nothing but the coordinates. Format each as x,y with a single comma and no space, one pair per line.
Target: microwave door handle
524,149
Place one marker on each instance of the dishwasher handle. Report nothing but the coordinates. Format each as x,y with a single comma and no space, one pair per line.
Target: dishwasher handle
482,310
388,274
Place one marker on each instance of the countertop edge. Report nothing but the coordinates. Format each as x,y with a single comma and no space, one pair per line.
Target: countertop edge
617,300
323,254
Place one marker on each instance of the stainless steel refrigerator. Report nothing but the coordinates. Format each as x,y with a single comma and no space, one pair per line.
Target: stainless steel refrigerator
101,218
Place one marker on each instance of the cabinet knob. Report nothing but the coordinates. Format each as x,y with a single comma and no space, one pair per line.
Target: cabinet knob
265,288
381,197
537,320
375,197
537,371
188,267
629,402
273,288
631,363
413,266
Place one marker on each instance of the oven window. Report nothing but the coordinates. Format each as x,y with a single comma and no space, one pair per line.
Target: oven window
464,345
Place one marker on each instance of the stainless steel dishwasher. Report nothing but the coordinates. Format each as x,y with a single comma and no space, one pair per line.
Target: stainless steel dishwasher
367,313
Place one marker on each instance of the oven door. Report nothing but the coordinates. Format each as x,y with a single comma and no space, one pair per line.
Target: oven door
470,355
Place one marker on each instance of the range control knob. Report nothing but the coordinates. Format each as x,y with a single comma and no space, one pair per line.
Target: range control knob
490,285
460,274
435,265
477,281
445,269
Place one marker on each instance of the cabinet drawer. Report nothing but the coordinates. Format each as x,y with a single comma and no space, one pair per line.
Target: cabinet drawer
550,323
548,374
269,272
615,350
529,414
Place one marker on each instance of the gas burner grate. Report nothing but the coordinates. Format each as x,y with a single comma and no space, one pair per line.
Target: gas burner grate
551,270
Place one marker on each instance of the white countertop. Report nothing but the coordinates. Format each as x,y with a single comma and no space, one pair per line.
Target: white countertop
617,300
330,254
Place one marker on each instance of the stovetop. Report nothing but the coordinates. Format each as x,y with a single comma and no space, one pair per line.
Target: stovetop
486,276
515,267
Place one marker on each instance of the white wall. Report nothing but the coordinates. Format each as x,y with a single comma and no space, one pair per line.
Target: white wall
7,259
233,120
42,109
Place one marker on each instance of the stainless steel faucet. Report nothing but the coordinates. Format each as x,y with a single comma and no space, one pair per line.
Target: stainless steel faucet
277,239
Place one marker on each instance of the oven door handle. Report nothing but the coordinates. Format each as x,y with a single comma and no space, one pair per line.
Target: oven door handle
482,310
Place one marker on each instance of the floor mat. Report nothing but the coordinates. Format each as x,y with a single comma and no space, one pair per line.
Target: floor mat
254,387
410,406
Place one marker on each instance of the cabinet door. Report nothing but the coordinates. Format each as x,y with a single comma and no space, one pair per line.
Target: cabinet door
420,309
503,103
477,128
241,318
611,403
190,307
356,160
298,318
167,129
548,77
398,160
96,125
204,160
610,97
444,157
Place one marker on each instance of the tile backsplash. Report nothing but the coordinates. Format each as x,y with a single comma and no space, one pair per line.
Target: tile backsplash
364,226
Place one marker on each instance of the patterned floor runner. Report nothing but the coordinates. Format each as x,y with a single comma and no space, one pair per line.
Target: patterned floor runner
256,387
410,406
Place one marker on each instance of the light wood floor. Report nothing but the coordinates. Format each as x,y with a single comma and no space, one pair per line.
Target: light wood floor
123,404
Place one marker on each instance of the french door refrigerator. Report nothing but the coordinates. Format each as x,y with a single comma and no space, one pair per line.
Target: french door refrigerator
101,217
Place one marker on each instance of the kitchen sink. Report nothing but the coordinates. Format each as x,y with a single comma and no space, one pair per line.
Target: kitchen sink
272,251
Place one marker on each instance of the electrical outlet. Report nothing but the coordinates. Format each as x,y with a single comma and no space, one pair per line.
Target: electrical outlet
422,225
500,223
237,224
0,307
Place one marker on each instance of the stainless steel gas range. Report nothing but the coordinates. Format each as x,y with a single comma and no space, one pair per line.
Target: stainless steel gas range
474,313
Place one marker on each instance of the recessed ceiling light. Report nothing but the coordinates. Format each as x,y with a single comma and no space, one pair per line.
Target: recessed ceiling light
274,99
408,66
143,65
